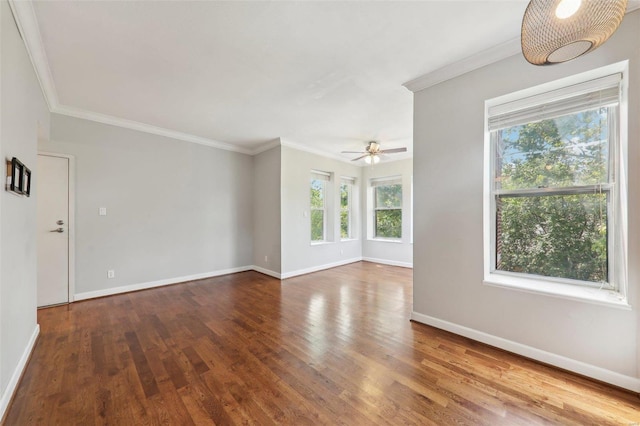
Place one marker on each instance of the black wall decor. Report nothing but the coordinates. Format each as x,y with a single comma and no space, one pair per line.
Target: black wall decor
26,181
18,177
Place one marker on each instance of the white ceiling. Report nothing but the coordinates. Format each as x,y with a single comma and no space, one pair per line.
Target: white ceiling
325,75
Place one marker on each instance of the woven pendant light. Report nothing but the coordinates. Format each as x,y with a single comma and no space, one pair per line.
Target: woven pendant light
555,31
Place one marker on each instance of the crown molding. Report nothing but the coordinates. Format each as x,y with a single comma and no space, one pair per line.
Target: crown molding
266,146
477,60
455,69
27,22
340,158
315,151
146,128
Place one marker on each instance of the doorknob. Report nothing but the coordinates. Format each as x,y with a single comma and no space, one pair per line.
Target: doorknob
60,222
58,230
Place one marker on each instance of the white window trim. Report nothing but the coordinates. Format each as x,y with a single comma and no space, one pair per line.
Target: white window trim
350,182
385,181
549,286
324,177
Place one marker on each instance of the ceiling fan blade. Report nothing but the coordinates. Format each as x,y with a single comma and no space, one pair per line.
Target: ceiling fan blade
353,152
356,159
388,151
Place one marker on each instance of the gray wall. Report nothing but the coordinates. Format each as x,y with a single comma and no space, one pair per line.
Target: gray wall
266,210
22,111
174,208
401,252
448,176
298,254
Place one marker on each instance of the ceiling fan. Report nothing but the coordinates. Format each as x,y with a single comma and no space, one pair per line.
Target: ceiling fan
372,152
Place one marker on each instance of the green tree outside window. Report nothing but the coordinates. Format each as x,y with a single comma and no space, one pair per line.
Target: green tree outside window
551,180
388,211
317,210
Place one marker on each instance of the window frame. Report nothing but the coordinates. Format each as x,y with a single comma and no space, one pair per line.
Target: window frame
324,178
547,94
379,182
349,182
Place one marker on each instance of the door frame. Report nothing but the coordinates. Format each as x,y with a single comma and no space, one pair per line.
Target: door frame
71,226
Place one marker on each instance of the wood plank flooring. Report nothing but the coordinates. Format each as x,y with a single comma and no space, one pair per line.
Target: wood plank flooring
334,347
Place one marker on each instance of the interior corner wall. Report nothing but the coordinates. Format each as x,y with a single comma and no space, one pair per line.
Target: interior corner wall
448,177
22,111
175,210
266,211
400,252
298,254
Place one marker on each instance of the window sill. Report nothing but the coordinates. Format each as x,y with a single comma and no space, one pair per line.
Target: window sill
321,243
346,240
387,240
564,291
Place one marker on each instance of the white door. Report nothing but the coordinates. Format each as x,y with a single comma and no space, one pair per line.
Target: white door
52,180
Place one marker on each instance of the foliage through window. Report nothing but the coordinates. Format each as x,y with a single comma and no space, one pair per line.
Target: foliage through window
346,190
553,186
318,205
387,200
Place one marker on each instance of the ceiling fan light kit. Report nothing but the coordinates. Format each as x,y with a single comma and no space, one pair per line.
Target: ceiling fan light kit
372,159
555,31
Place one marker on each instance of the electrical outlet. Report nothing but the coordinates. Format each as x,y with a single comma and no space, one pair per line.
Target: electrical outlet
111,273
341,251
266,259
102,211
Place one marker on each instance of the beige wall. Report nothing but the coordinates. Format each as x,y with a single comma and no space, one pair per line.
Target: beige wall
267,210
23,112
448,177
401,252
298,254
174,209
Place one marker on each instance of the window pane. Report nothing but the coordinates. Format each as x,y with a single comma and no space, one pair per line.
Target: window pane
344,224
561,236
565,151
317,194
344,195
317,225
389,223
389,196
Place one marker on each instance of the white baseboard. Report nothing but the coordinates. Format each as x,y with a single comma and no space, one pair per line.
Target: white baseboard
143,286
159,283
291,274
595,372
266,271
17,373
388,262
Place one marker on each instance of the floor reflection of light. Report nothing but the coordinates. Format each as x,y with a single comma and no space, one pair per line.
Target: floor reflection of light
344,314
317,323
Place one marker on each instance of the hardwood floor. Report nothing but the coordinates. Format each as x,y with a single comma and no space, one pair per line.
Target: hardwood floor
333,347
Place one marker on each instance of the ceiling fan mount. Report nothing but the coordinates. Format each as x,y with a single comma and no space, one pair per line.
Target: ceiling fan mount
372,152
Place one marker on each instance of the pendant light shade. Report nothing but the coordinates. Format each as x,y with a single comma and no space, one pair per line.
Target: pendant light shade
555,31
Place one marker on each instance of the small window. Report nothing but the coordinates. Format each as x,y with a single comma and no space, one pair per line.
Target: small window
387,208
553,185
319,205
346,207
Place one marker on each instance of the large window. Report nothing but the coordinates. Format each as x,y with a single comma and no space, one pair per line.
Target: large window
553,196
346,207
319,205
387,208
